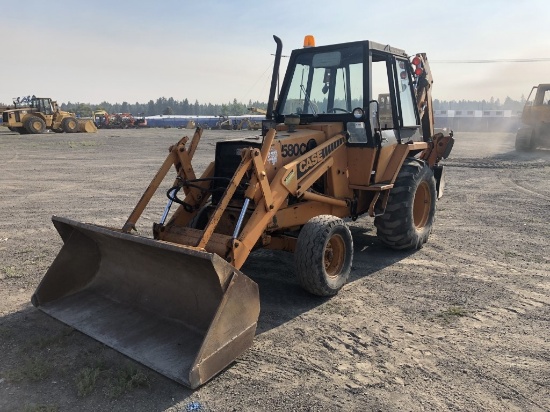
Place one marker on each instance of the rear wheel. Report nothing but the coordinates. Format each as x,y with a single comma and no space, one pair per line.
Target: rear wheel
323,255
21,130
410,211
35,125
525,144
69,125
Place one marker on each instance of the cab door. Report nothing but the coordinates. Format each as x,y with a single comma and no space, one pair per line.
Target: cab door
45,107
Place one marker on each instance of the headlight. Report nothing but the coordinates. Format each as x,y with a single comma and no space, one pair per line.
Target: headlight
358,113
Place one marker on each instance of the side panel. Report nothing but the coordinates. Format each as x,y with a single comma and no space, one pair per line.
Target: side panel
383,159
360,163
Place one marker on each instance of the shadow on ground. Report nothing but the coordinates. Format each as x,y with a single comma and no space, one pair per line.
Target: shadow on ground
281,296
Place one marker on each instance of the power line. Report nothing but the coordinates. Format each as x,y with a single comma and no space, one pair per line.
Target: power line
532,60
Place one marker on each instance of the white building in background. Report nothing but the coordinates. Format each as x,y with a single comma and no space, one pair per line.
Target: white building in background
478,120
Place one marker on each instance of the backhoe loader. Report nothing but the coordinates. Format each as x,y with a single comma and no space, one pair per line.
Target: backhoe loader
535,131
177,301
35,115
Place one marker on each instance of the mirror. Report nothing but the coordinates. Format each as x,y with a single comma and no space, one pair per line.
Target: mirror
326,76
374,114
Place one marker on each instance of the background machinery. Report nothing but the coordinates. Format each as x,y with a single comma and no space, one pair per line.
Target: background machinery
101,118
535,131
177,300
35,115
104,120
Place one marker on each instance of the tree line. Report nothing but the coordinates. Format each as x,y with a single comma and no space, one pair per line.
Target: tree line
491,104
170,106
165,107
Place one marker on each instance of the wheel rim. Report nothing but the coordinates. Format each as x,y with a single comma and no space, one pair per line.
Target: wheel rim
422,205
37,125
334,256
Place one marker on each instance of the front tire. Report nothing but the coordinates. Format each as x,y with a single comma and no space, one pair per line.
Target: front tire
323,255
69,125
410,211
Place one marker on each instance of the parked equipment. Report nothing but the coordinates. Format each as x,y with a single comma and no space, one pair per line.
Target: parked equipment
101,119
178,301
535,131
140,120
104,120
224,123
35,115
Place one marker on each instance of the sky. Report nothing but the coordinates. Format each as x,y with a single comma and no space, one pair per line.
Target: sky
216,51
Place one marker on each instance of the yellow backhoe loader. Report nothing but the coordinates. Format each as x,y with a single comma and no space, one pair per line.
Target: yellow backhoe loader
535,131
35,115
177,300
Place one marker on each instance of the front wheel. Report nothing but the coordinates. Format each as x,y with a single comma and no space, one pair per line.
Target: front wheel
323,255
69,125
410,211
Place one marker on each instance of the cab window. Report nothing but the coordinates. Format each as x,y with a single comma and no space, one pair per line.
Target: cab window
405,93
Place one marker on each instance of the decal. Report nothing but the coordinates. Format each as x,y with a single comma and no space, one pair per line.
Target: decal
289,177
312,160
272,156
293,149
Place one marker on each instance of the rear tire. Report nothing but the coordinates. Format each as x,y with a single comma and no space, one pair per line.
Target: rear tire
35,125
21,130
525,145
410,211
323,255
69,125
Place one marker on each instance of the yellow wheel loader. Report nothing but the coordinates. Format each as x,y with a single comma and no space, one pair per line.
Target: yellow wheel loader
34,115
177,300
535,131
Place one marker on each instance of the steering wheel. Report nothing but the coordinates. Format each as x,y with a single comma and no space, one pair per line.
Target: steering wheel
337,109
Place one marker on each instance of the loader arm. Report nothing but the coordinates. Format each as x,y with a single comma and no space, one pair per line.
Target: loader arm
295,178
179,156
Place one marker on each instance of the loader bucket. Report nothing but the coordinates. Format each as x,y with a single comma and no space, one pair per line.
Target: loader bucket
86,126
183,312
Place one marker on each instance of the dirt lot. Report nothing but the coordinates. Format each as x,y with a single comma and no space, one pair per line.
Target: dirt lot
461,324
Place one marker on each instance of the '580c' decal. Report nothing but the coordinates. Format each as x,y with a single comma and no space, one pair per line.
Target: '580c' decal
292,150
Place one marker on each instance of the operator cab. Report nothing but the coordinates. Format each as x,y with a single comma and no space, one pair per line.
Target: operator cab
367,86
43,105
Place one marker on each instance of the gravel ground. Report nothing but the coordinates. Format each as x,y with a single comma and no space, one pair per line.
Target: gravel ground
461,324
